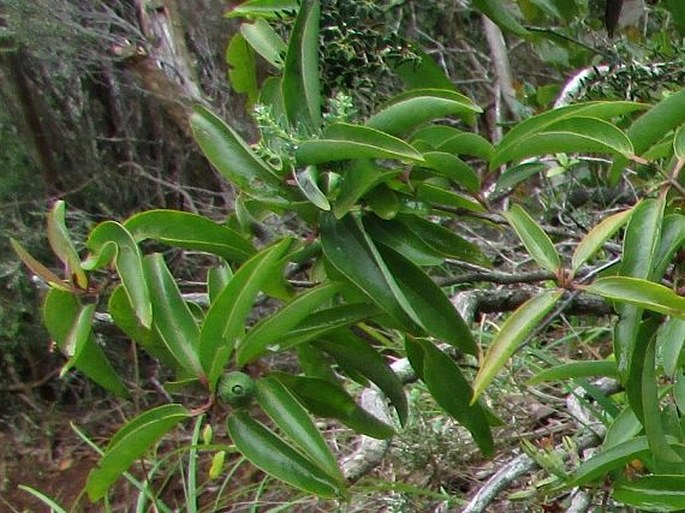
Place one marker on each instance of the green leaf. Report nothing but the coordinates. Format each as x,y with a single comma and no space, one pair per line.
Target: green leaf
448,139
642,239
597,467
78,336
679,143
665,116
431,308
534,238
61,244
440,196
512,333
234,159
453,168
671,240
452,392
352,352
60,312
330,400
595,239
300,83
670,340
39,269
111,238
294,421
306,180
272,328
418,106
242,68
643,293
422,72
225,320
54,507
512,176
276,457
343,141
573,370
217,279
624,427
383,201
263,8
189,231
653,493
172,317
398,236
571,135
500,15
265,41
130,443
359,178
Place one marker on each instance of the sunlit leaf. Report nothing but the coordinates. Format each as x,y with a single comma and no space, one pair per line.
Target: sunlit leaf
534,238
595,239
307,183
265,41
573,370
652,493
643,293
263,8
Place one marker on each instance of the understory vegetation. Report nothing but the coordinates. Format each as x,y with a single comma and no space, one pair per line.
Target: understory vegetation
374,256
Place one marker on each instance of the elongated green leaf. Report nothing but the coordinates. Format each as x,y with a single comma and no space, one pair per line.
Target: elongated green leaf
534,238
597,467
625,427
670,242
39,269
514,175
452,392
275,326
431,307
300,83
327,399
350,251
399,237
653,493
643,293
665,116
233,158
61,244
274,456
307,183
444,241
642,239
225,320
452,140
291,417
513,332
573,370
422,72
54,507
242,68
217,279
60,312
352,352
573,134
418,106
265,41
124,317
383,201
263,8
499,14
173,319
130,443
596,238
453,168
343,141
78,336
111,238
189,231
679,143
358,179
670,340
438,196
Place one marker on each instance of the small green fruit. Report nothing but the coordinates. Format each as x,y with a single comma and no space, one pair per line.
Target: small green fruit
236,388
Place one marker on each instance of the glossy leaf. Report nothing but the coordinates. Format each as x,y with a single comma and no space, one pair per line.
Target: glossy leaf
453,393
642,239
343,141
294,421
242,68
665,116
595,239
39,269
217,279
359,178
130,443
111,238
173,319
643,293
515,175
399,237
383,202
189,231
431,308
233,158
418,106
307,183
225,320
534,238
265,41
263,8
679,143
274,327
326,399
453,168
670,340
300,83
61,244
448,139
573,134
511,335
276,457
573,370
78,336
352,352
653,493
499,14
597,467
440,196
